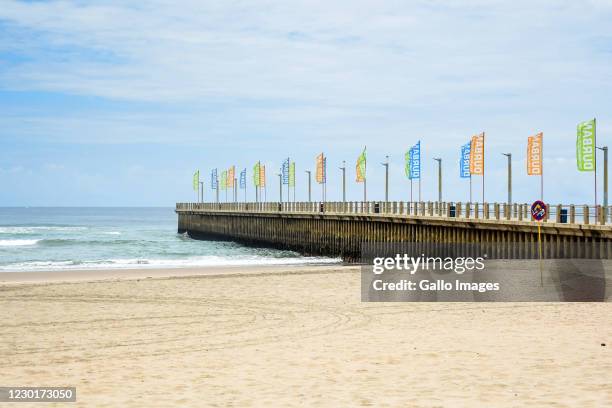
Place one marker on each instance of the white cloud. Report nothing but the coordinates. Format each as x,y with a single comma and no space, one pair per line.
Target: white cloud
306,75
340,53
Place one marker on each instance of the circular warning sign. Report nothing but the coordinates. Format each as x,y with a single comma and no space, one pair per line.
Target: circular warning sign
538,210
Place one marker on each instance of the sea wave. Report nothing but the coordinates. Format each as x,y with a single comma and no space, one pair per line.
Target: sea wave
18,242
204,261
58,242
15,229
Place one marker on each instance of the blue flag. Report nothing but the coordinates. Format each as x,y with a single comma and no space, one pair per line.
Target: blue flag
243,179
214,180
464,161
285,171
415,161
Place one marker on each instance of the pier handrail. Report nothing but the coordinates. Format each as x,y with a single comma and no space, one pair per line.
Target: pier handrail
557,213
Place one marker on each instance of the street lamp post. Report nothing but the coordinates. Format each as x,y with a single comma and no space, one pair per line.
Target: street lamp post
343,168
386,165
605,175
509,156
309,186
439,160
280,186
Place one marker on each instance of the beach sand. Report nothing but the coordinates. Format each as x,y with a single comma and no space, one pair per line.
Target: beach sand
292,337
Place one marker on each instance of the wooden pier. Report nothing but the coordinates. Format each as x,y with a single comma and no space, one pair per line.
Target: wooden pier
338,229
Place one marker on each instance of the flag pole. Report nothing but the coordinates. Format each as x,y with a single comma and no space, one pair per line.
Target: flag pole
288,188
410,189
483,168
470,187
595,160
365,178
419,187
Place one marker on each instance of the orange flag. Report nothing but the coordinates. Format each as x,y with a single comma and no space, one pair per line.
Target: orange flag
231,175
477,155
534,154
320,176
262,176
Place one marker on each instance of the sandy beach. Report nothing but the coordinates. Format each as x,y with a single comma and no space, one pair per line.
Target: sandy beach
279,336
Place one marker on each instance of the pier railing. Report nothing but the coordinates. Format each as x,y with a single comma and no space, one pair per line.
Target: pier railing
559,213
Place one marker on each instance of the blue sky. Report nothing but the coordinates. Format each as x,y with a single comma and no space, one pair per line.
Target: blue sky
117,103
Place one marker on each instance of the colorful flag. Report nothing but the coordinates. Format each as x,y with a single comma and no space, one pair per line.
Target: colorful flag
477,155
464,161
415,161
407,157
256,174
321,169
214,180
262,176
285,171
196,180
223,180
361,167
534,154
292,175
243,179
231,175
585,146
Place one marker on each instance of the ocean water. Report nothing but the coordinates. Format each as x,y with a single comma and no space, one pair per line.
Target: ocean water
34,239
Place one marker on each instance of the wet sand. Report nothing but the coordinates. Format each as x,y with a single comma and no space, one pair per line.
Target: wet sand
287,336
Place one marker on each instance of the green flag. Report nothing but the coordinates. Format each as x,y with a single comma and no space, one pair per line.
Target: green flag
256,172
407,168
196,180
361,167
292,174
585,146
223,182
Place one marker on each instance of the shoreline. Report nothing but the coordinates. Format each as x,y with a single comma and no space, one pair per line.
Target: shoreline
124,274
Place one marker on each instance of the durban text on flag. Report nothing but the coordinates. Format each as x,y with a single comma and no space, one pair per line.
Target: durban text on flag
464,160
256,173
477,155
320,176
214,180
585,146
243,179
285,171
196,180
415,161
292,174
231,174
534,154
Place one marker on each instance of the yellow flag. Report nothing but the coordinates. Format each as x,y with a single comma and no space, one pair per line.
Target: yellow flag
320,175
231,175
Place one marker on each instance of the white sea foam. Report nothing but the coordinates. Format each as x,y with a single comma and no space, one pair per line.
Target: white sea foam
167,263
112,233
18,242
